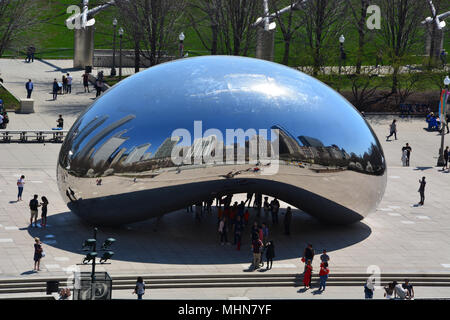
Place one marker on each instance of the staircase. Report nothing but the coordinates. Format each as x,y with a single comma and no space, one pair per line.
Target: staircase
127,282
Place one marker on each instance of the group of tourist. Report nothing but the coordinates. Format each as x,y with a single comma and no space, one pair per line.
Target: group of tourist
34,204
395,290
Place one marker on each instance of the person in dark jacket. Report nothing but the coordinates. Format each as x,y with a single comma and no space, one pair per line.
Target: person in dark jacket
29,87
287,221
55,89
270,253
422,190
308,254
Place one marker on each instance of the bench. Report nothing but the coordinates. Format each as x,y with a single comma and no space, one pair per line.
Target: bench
37,135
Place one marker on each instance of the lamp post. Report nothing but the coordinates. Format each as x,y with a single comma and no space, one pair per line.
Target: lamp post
91,246
181,38
113,69
120,52
441,161
342,52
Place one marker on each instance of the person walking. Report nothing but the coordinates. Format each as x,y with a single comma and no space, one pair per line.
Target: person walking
69,83
422,190
20,184
140,288
29,87
55,89
408,150
392,130
38,253
287,221
34,204
446,151
404,158
307,275
369,288
85,77
323,274
44,205
270,254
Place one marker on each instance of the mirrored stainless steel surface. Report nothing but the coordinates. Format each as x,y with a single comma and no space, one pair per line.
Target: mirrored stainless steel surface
163,139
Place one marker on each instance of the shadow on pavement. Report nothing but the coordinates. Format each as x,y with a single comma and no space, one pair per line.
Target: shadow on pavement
180,239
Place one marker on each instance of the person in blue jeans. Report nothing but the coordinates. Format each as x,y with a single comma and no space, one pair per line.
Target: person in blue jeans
368,289
20,184
324,271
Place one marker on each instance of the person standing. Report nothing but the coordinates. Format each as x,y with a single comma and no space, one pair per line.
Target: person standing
274,207
324,257
392,130
323,274
69,83
369,289
422,190
308,255
256,248
307,275
266,206
64,84
20,184
60,122
223,231
85,77
55,89
140,288
34,204
98,87
270,253
44,205
287,221
29,87
37,253
408,150
446,151
265,231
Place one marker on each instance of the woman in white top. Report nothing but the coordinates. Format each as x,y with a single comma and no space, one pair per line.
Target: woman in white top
20,184
140,288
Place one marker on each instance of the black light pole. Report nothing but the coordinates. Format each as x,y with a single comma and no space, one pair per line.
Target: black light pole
181,38
113,69
342,52
441,160
120,57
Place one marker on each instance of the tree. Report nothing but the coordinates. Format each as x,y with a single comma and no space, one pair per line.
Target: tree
17,18
359,14
156,23
399,31
324,20
289,24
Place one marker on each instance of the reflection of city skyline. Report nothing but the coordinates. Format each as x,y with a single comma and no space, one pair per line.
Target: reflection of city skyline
113,156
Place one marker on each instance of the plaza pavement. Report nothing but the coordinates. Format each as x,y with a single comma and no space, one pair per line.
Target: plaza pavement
398,238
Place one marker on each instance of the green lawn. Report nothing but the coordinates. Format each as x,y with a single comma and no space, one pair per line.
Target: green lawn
55,40
9,102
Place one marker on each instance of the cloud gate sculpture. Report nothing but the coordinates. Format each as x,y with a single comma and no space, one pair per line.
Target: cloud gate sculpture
206,127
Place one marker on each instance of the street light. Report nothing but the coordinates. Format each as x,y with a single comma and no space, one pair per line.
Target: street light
113,69
444,95
342,52
90,245
120,56
181,38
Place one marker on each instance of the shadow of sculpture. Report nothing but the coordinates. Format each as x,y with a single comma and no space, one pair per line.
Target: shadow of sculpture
181,239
